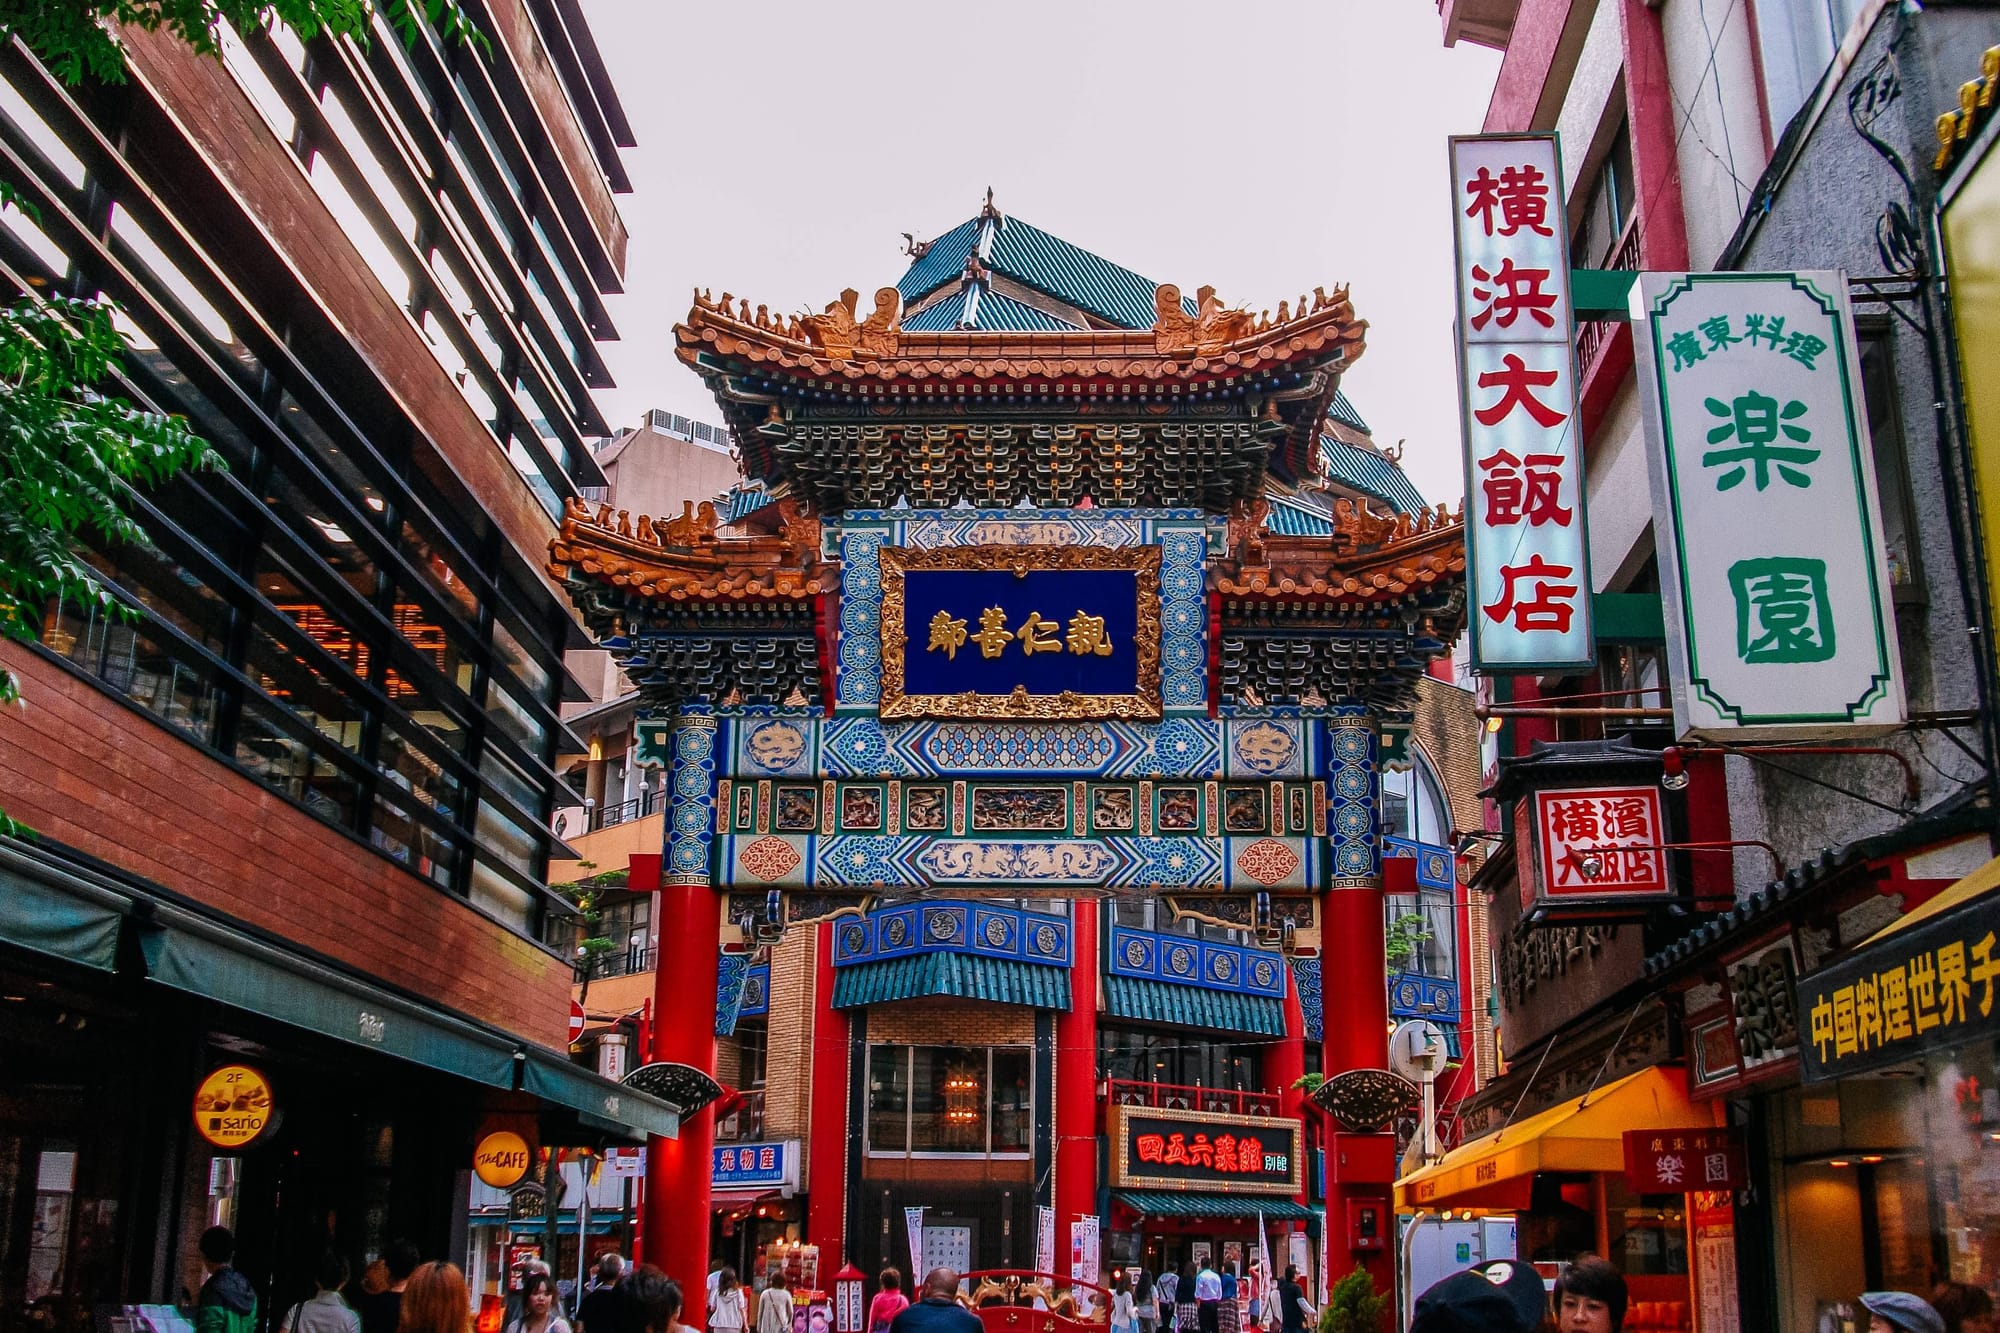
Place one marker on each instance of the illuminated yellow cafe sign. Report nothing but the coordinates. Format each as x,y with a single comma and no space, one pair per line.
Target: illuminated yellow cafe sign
501,1159
1926,986
1021,631
233,1106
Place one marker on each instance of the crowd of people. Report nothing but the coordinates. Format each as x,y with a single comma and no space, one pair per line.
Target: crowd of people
399,1293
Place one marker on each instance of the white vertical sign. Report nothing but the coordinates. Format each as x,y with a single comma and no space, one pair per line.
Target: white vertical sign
1045,1240
1774,575
1526,552
913,1224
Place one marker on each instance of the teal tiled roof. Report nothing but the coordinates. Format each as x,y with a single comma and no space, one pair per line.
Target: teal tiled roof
1192,1203
942,262
1192,1006
744,499
1370,473
968,976
1033,258
988,310
1297,518
1343,412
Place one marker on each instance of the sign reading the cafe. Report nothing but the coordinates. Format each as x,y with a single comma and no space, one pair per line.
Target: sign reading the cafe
1774,574
1926,987
1600,842
1240,1154
1527,559
233,1106
1009,631
1683,1161
501,1159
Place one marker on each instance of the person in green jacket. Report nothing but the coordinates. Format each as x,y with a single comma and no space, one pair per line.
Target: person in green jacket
227,1303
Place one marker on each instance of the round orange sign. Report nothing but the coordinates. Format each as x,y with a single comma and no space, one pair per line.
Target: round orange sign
501,1159
232,1106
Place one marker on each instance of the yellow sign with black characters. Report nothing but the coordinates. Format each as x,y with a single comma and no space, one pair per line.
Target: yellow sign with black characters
233,1106
1927,987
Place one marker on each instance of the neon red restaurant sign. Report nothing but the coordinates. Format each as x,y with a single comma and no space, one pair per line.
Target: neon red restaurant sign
1527,556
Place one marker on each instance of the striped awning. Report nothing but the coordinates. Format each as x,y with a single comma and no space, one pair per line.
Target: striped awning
1147,1001
968,976
1192,1203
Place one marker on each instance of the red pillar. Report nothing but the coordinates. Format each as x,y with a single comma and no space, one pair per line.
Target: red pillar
1354,981
1076,1080
1284,1065
826,1201
678,1170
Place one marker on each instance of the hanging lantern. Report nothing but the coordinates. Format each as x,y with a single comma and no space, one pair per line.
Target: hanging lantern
962,1101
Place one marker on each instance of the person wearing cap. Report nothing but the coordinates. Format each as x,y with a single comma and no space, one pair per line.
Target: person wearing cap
1500,1297
1590,1297
1900,1312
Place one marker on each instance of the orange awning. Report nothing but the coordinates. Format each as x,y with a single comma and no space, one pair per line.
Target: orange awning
1583,1134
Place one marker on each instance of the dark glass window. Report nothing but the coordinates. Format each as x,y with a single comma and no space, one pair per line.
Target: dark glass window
969,1101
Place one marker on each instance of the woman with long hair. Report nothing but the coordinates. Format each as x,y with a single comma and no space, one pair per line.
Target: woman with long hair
538,1307
732,1304
436,1301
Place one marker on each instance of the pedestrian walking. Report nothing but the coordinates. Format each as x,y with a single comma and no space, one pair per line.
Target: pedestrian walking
655,1300
1124,1314
538,1307
326,1311
1293,1307
729,1312
1187,1300
436,1300
1590,1297
774,1307
1897,1312
1146,1297
1228,1313
1163,1295
1500,1297
888,1303
937,1309
1963,1307
381,1309
227,1302
607,1307
1208,1300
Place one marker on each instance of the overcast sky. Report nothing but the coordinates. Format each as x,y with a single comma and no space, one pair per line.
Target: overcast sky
1266,148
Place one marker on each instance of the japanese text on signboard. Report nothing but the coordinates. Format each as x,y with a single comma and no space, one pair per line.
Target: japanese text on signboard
1169,1149
1601,841
1527,556
1764,491
1923,988
1681,1161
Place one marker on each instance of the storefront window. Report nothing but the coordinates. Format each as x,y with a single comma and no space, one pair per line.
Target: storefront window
950,1100
1142,1056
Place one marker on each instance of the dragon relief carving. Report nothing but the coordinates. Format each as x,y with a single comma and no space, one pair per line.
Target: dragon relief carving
840,334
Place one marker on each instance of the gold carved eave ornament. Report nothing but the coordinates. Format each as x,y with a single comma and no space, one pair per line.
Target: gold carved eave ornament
1368,556
1217,341
682,558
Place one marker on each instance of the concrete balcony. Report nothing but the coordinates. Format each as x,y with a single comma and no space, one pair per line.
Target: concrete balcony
1481,22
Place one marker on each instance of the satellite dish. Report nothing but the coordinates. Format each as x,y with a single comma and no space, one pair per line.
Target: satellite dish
1417,1051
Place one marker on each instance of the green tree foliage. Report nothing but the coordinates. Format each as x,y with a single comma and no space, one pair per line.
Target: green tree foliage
1353,1306
1406,931
73,37
70,448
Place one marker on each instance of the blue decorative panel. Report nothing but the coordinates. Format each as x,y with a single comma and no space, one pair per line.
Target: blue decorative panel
1354,784
1053,599
757,991
1414,995
690,796
1434,863
1181,534
952,926
1265,747
1305,971
1186,961
732,971
919,861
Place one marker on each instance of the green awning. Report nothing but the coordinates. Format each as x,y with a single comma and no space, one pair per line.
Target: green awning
1193,1203
193,954
52,911
601,1103
969,976
1147,1001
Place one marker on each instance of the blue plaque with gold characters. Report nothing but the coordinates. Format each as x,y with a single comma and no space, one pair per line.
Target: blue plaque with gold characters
1012,631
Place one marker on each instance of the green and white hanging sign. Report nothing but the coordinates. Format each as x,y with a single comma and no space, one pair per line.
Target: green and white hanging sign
1772,567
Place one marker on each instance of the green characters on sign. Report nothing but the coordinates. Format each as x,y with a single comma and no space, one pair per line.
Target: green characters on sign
1783,613
1754,420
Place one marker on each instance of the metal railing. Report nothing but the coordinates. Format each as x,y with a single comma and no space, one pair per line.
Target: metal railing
618,963
745,1124
624,812
1593,334
1179,1097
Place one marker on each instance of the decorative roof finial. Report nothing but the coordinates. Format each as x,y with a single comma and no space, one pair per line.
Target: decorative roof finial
989,211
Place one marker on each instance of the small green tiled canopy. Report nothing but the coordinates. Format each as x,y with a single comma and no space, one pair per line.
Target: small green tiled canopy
968,976
1146,1001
